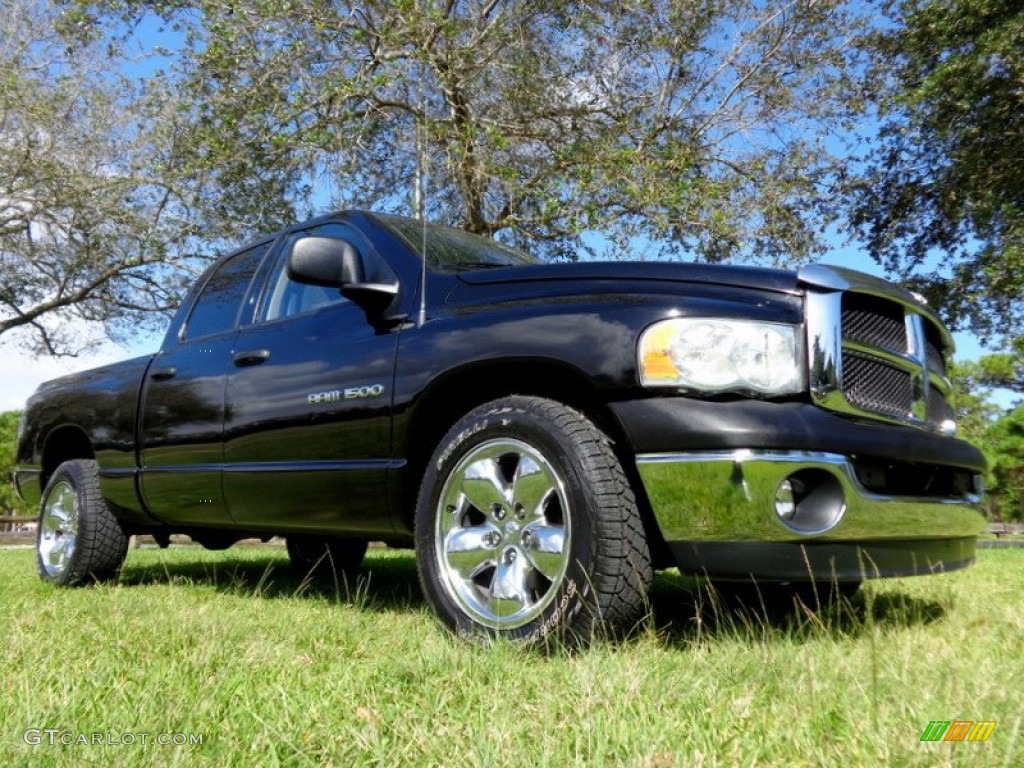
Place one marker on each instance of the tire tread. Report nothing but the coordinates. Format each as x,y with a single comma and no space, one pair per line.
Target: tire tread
622,569
101,545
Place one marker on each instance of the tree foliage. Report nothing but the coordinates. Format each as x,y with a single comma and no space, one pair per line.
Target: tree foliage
974,405
96,207
704,130
696,127
1005,369
1005,443
10,502
998,432
942,200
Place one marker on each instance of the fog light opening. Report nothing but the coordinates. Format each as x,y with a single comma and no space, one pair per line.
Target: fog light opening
810,501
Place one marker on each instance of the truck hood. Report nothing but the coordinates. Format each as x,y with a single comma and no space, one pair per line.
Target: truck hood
757,278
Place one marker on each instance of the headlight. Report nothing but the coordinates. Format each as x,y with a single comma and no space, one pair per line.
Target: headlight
721,356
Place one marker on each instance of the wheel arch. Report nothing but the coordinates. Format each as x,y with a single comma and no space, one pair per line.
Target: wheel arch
64,443
452,395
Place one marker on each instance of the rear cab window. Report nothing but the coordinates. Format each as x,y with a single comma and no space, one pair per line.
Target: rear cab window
218,306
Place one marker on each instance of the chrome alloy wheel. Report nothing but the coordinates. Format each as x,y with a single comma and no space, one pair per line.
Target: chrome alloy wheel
58,528
502,533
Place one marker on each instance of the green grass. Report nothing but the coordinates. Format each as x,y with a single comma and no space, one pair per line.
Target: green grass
274,672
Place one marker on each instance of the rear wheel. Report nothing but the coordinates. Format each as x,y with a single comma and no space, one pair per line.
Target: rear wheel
79,540
526,527
324,556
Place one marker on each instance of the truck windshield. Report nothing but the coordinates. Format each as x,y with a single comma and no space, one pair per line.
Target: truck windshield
452,250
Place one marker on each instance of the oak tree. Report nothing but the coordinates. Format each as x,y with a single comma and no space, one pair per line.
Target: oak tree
696,129
96,204
941,199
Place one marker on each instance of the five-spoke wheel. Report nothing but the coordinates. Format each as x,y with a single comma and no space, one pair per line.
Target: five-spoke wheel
58,528
502,533
526,526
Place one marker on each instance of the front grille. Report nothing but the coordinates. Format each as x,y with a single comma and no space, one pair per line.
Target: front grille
875,385
874,323
875,351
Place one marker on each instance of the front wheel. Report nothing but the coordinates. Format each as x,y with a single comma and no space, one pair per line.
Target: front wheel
526,527
79,540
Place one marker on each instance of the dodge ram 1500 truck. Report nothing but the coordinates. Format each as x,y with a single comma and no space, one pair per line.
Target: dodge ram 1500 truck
544,435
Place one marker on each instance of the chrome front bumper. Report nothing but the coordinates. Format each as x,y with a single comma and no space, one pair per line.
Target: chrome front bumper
718,511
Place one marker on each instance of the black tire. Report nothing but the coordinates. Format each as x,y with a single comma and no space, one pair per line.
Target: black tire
558,551
321,556
79,540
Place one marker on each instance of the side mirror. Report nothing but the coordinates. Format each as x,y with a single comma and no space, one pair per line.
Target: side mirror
327,261
335,263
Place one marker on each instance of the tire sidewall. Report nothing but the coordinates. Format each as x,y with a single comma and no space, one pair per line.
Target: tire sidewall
100,544
569,614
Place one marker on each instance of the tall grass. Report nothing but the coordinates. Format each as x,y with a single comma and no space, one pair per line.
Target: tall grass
271,670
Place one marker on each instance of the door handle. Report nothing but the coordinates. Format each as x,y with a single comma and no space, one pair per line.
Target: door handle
251,357
163,374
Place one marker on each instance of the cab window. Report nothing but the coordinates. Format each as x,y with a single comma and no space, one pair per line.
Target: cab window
216,309
285,297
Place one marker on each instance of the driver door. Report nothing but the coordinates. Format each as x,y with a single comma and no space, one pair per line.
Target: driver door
308,409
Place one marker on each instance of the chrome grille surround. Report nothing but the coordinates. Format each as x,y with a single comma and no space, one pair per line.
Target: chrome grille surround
876,351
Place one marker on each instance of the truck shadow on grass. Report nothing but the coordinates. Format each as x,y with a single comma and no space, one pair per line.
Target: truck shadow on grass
684,608
387,583
681,609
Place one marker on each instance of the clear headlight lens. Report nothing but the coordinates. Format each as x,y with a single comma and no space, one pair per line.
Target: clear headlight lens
721,356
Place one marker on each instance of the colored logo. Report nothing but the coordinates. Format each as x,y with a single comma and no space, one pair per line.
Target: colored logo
958,730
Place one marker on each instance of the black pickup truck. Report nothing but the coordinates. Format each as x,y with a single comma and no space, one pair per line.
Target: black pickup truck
544,435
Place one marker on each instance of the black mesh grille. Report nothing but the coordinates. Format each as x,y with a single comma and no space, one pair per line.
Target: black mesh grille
875,385
892,364
874,322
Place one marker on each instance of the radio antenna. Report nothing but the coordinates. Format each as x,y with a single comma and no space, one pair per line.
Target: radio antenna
420,197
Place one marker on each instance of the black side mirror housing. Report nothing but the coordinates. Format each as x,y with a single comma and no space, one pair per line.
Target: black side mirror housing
336,263
327,261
